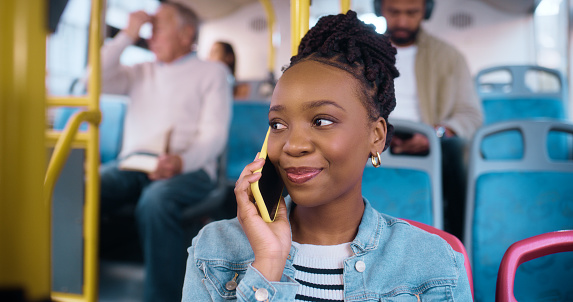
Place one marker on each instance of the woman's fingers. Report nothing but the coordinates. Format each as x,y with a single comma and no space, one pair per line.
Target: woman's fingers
245,206
246,177
248,169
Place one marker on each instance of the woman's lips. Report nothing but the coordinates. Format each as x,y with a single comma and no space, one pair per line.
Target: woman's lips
302,174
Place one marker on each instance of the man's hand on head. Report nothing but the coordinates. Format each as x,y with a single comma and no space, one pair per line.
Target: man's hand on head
168,166
136,20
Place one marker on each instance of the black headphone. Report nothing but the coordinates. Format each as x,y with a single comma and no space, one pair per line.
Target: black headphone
427,13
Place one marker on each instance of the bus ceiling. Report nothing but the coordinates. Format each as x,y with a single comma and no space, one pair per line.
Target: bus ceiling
212,9
515,6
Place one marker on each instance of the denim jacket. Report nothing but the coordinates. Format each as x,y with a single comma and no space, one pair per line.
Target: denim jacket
392,261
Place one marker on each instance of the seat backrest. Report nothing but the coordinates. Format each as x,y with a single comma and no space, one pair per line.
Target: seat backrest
453,241
247,134
515,92
509,200
521,91
113,110
408,186
215,200
526,250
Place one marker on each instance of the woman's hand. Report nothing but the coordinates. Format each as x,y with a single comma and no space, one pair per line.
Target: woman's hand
270,242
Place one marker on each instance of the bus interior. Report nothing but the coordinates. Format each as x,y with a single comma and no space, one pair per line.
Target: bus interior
515,49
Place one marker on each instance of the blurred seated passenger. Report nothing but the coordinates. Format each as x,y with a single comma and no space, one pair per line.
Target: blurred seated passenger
242,91
223,52
176,125
435,87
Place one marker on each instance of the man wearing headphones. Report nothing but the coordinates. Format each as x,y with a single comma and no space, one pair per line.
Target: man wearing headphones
434,87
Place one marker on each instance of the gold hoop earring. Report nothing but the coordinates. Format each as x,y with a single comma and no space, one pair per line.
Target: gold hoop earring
376,160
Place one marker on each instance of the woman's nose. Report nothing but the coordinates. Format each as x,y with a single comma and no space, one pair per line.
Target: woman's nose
298,143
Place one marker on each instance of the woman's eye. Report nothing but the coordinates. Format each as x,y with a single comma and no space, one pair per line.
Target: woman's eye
277,126
322,122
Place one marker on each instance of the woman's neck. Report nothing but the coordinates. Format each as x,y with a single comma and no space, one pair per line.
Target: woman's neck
329,224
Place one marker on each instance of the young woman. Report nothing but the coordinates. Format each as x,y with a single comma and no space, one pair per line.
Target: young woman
328,116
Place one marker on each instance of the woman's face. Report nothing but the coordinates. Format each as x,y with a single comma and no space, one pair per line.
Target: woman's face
321,136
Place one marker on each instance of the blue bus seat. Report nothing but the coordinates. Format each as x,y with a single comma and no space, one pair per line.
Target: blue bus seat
514,92
212,207
509,200
248,129
113,110
111,127
408,186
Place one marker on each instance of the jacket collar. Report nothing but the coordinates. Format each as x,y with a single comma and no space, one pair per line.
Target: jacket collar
422,37
369,230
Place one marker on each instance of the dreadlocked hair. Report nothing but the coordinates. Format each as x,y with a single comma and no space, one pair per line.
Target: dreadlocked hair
345,42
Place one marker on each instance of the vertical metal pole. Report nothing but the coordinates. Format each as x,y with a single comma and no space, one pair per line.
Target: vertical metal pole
344,6
294,23
270,13
304,9
299,13
24,216
91,208
569,56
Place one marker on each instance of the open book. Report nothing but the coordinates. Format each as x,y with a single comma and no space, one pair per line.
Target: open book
143,162
147,161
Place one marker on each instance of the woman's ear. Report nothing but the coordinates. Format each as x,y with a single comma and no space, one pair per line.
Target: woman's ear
378,137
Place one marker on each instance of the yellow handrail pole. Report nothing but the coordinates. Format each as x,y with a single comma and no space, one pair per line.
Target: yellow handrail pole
80,139
304,10
344,6
92,181
59,157
24,217
91,207
62,149
68,101
294,23
269,11
300,12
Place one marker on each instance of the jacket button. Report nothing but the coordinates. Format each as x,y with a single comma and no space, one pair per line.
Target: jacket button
231,285
360,266
261,294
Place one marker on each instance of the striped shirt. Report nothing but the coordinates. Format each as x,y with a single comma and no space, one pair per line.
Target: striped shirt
319,270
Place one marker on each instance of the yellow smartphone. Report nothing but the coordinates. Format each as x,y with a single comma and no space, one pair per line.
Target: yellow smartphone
268,189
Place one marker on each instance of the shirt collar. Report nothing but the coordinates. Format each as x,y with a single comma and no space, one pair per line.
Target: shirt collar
180,60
